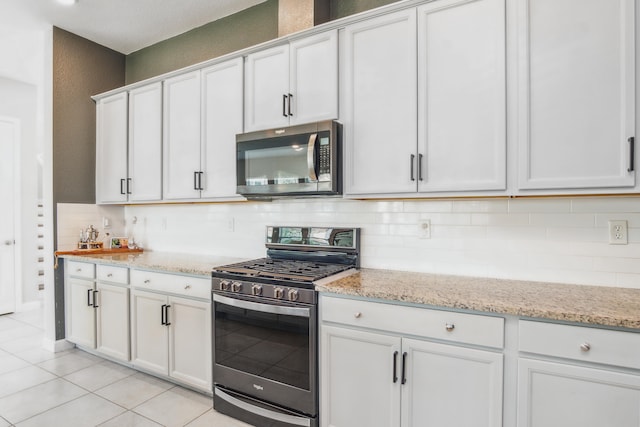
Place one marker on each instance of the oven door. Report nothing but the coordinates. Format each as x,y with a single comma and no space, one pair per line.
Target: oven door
266,351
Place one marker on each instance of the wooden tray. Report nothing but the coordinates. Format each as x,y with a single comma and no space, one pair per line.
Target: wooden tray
97,251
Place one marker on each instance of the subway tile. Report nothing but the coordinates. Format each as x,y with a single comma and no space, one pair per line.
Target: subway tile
481,206
577,234
633,219
508,219
606,204
562,220
617,265
628,280
457,232
515,233
428,206
539,205
447,218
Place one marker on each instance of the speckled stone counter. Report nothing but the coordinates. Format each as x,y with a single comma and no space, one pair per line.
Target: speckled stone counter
606,306
198,265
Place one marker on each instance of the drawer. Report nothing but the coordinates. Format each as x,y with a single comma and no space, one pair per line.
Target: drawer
580,343
81,269
196,287
109,273
421,322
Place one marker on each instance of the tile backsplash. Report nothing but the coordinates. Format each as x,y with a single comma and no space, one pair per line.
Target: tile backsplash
557,239
75,216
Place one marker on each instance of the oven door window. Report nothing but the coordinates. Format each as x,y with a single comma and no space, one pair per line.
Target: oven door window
268,345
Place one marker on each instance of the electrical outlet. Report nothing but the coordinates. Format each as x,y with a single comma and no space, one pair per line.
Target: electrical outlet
424,229
106,222
618,232
231,224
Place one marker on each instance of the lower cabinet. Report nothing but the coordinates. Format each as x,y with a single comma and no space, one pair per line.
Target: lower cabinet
382,378
171,335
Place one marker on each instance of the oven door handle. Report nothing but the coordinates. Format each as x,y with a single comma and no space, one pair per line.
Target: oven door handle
311,157
265,308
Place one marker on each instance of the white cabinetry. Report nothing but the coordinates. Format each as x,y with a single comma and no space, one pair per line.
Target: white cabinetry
80,316
576,93
111,149
572,391
293,83
373,374
432,121
171,326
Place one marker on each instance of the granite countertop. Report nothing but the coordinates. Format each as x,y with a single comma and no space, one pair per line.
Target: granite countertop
596,305
197,265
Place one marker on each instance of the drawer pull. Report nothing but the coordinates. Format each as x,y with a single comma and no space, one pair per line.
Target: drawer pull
186,287
585,347
449,327
147,281
78,270
357,315
109,275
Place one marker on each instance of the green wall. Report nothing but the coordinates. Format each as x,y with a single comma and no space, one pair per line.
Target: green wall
341,8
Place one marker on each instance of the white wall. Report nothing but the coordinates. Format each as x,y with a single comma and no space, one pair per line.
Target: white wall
561,240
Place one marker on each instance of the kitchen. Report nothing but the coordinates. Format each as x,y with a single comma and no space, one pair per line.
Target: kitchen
561,240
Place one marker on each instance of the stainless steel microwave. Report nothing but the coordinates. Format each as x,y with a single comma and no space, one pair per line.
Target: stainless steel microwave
292,161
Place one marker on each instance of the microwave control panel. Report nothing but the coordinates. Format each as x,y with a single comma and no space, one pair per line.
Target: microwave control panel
324,160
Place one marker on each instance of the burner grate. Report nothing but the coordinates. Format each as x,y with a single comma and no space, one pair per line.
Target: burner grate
283,269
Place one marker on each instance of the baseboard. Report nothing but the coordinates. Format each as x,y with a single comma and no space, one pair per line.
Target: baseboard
57,346
28,306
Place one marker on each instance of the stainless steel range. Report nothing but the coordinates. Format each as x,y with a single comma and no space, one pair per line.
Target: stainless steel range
265,328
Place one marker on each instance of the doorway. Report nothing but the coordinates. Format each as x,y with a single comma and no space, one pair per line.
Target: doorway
9,144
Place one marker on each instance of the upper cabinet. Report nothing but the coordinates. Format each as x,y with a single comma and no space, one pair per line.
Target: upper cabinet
293,83
576,94
111,149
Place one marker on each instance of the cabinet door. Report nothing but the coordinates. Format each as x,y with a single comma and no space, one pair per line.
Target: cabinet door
358,385
313,71
111,149
267,89
379,104
80,315
190,342
576,93
461,96
145,143
222,111
181,143
149,337
559,395
112,331
450,386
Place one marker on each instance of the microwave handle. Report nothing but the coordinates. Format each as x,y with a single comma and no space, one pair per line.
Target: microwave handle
311,157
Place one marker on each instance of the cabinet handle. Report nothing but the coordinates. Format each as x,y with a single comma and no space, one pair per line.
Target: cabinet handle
449,327
78,270
122,186
162,321
413,157
187,287
357,315
585,347
289,106
284,105
109,275
147,281
200,180
632,153
195,180
128,185
89,292
404,368
166,315
419,167
95,305
395,367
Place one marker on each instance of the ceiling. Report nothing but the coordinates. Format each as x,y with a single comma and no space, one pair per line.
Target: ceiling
122,25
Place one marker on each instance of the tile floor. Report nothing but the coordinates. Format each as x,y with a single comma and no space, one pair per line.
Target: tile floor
77,389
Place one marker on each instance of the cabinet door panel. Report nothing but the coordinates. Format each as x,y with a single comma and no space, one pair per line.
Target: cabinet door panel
576,94
451,386
80,316
181,143
149,337
314,78
190,342
462,104
145,143
559,395
379,104
357,379
112,332
111,149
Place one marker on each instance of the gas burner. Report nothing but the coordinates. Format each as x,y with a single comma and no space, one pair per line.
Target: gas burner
283,269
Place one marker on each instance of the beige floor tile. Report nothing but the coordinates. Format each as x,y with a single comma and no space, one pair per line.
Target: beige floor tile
38,355
17,345
7,322
88,410
20,330
21,379
69,363
32,317
130,419
214,419
134,390
10,363
175,407
4,423
27,403
99,375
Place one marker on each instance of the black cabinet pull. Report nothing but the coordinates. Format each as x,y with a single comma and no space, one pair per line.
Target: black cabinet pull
89,292
128,185
95,305
162,321
195,180
166,315
395,367
122,187
200,180
419,167
404,368
289,106
632,153
413,157
284,105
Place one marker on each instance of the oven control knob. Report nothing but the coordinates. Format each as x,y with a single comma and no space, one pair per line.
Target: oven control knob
236,286
225,285
278,293
293,295
256,290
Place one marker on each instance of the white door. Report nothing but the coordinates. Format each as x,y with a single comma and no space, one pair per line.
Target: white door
576,95
112,321
80,321
181,137
111,149
379,104
149,336
145,143
222,112
461,96
9,141
190,342
313,71
267,89
450,386
560,395
358,385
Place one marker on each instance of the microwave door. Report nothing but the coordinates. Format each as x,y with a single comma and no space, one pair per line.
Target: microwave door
311,157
